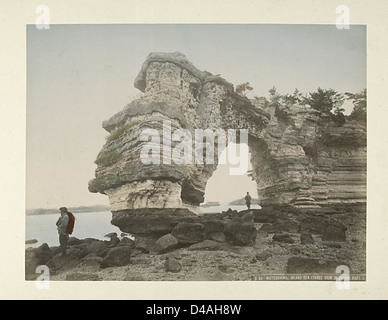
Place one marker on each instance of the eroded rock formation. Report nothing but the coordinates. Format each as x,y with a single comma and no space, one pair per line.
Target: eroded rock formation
299,156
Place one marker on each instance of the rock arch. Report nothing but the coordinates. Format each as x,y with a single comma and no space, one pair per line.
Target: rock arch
299,157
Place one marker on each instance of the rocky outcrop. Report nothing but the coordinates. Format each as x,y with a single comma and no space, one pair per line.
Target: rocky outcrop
303,159
177,92
299,156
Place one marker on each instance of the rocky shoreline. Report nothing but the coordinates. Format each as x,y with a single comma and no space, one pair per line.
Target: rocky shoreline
233,246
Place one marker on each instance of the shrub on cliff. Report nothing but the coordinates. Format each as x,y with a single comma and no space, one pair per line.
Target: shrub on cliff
107,158
359,101
325,100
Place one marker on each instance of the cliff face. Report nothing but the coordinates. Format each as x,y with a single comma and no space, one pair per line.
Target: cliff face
187,98
303,159
299,157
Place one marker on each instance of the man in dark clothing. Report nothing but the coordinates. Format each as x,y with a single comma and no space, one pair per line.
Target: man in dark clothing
248,200
62,224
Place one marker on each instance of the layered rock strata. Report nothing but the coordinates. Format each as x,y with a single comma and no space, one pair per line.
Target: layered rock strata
299,156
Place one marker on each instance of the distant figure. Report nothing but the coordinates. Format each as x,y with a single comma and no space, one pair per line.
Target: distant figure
65,226
248,200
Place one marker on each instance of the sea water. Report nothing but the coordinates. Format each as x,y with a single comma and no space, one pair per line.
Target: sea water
88,225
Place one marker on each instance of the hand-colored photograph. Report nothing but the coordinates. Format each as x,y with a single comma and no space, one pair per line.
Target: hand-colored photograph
196,152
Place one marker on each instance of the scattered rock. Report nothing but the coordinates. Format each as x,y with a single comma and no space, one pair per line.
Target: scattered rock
298,265
172,265
127,242
36,257
334,231
306,238
98,248
117,257
283,238
280,226
90,240
264,215
332,244
207,245
189,233
247,216
111,235
166,243
289,226
140,260
263,256
133,276
143,245
55,250
82,277
31,241
125,234
240,233
73,241
218,236
213,226
72,259
311,224
114,241
92,261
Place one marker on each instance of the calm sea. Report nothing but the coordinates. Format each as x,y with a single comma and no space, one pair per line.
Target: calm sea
88,225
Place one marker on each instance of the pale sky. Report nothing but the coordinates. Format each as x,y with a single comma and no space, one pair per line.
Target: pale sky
81,75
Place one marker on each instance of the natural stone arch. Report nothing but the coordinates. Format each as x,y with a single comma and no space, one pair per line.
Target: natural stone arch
299,157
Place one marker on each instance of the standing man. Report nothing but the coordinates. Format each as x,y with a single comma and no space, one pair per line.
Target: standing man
62,224
248,200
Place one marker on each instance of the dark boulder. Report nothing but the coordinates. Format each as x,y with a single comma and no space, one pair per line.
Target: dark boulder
172,265
207,245
127,242
213,226
283,238
117,257
60,263
264,216
144,245
98,248
218,236
240,233
189,233
312,224
334,231
73,241
31,241
114,241
306,238
36,257
111,235
151,222
166,243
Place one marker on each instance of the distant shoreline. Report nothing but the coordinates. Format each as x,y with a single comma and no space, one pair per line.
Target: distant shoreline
95,208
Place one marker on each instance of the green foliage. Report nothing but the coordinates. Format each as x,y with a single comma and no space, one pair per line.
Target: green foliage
325,100
295,98
116,134
338,116
107,158
274,95
360,104
263,100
